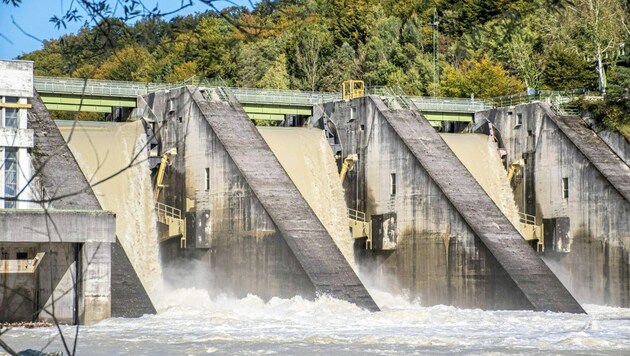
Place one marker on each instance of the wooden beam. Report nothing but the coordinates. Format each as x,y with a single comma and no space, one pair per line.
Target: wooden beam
15,105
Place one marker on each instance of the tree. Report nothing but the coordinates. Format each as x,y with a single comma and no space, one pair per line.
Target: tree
479,77
263,64
132,63
311,44
597,28
565,70
342,65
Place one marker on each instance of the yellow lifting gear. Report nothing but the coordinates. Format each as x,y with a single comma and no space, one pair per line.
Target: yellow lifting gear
348,165
167,159
515,169
352,89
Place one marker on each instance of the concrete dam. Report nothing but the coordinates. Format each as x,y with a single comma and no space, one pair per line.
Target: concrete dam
365,197
526,210
263,210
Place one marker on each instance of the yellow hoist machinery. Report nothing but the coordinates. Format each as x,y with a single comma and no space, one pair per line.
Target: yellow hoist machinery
167,160
168,215
352,89
348,165
360,227
515,169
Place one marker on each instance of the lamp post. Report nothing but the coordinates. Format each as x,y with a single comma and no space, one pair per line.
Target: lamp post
436,75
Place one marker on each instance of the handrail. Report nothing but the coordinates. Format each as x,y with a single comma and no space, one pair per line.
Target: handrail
168,211
296,97
356,215
527,219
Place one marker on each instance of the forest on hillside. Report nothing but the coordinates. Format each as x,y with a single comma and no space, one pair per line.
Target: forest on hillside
442,47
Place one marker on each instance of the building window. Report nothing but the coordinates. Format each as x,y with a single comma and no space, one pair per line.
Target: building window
392,184
565,188
10,175
519,120
207,179
22,255
11,114
171,105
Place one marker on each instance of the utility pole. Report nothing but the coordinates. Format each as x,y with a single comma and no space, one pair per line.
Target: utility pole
436,32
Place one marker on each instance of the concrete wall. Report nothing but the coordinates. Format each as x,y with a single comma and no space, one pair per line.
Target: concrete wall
450,244
593,259
16,78
618,143
249,227
60,235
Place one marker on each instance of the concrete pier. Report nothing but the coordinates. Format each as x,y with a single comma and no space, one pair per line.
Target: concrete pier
445,241
574,183
247,222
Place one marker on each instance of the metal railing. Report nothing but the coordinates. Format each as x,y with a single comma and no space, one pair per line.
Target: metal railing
450,104
356,215
527,219
168,211
550,96
89,87
301,98
279,96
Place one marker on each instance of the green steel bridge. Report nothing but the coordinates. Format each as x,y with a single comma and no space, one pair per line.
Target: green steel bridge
68,94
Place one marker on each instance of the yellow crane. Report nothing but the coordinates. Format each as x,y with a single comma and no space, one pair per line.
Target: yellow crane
167,160
348,165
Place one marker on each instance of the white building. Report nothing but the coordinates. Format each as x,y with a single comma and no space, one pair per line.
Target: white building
16,87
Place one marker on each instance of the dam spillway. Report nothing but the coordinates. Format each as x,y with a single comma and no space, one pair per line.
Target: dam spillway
247,222
307,158
479,154
449,242
113,158
212,181
580,190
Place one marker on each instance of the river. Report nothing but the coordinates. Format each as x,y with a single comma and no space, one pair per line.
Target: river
189,322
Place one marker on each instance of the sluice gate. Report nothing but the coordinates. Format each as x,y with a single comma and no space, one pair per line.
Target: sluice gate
113,158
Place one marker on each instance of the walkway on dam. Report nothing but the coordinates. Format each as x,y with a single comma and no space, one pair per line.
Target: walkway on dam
71,94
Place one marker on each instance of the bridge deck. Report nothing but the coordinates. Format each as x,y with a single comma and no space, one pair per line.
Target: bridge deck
73,94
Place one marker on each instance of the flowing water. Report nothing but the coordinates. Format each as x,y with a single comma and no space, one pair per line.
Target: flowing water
117,150
190,322
479,155
305,155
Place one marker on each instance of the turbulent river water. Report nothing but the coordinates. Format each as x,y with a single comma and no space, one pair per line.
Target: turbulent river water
190,322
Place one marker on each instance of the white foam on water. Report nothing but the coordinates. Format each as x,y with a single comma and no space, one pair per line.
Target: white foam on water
193,323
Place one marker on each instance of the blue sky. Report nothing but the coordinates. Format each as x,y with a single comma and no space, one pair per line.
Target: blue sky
33,16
